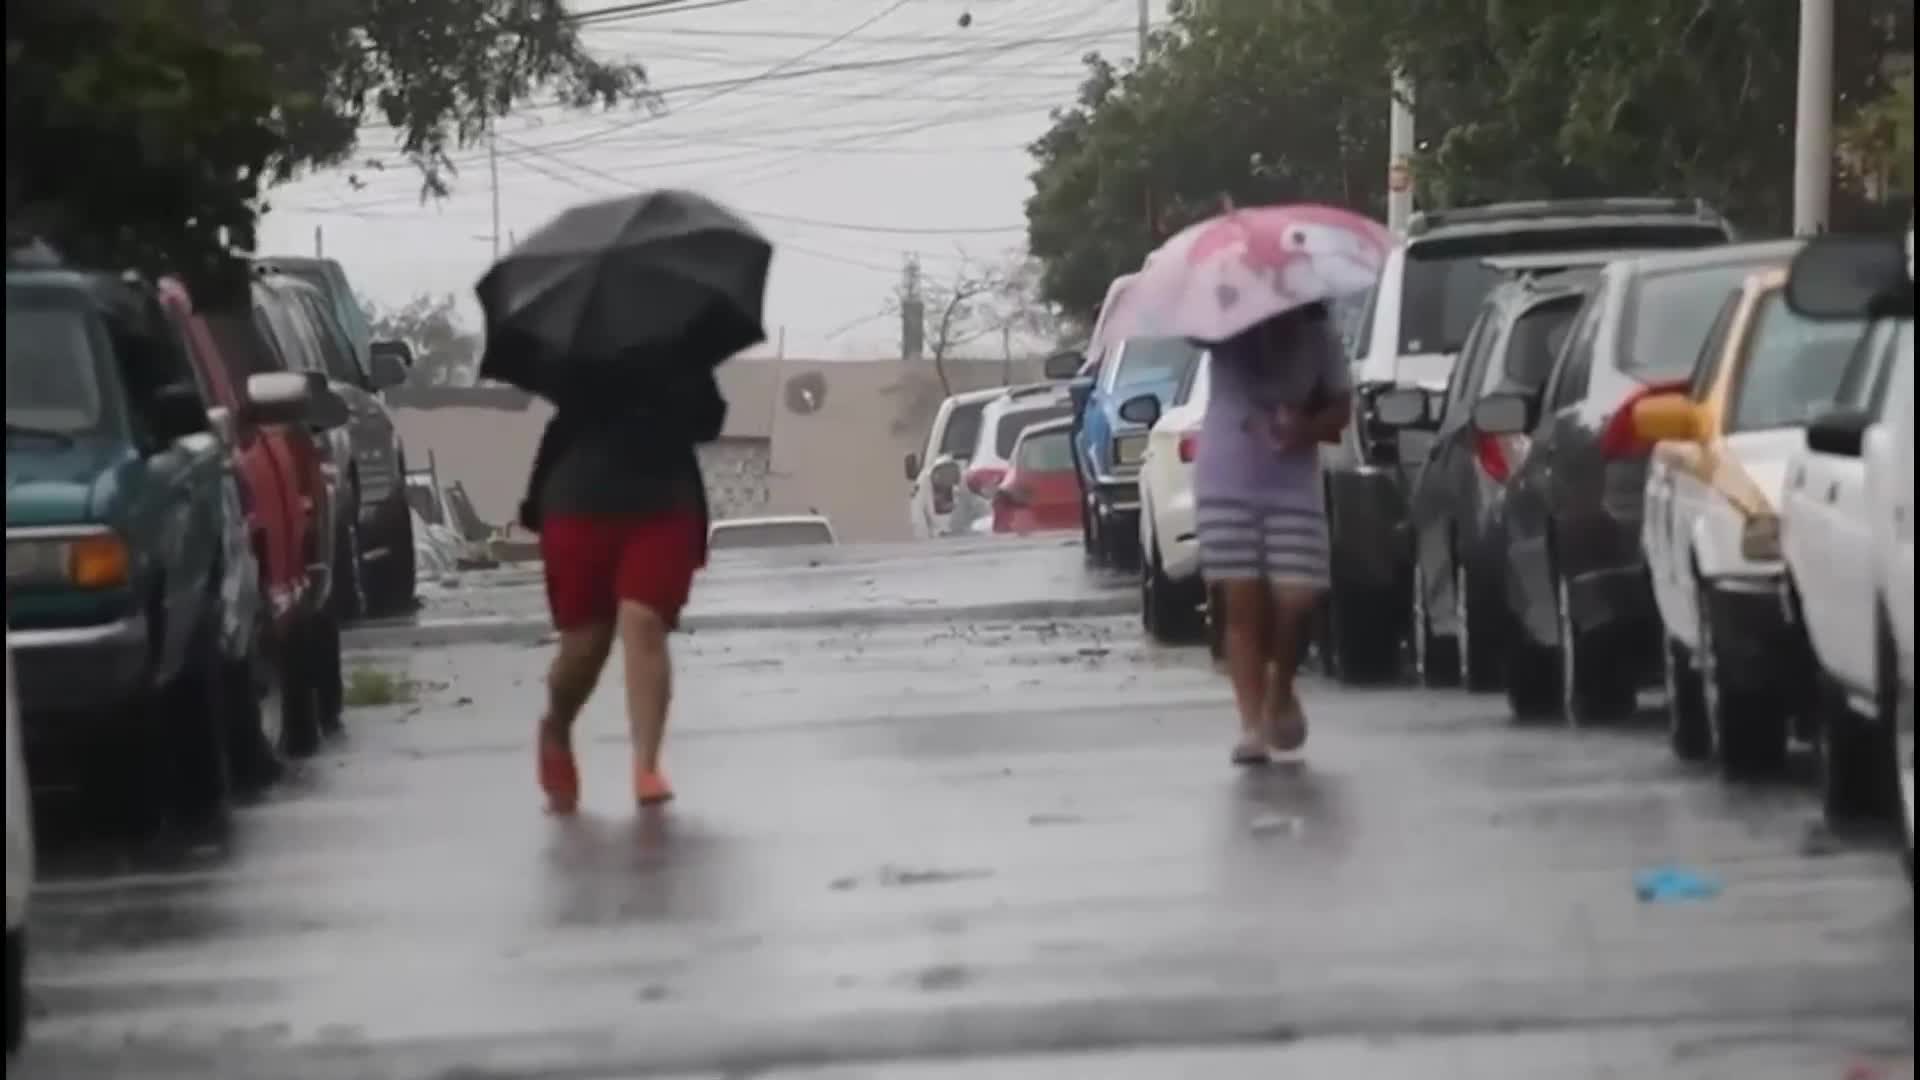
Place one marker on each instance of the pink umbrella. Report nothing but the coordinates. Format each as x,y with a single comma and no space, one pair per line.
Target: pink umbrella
1213,280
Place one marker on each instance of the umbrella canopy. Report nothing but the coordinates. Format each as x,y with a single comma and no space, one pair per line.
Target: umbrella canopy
1220,277
663,277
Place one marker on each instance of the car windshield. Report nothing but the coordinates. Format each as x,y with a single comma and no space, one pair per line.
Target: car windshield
1048,451
54,349
1536,340
1793,368
769,534
1007,434
1439,299
963,430
1670,314
1145,361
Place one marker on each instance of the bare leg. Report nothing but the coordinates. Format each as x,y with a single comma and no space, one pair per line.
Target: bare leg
643,637
1291,610
570,681
1247,653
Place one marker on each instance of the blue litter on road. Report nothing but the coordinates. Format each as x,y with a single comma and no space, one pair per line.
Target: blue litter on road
1668,884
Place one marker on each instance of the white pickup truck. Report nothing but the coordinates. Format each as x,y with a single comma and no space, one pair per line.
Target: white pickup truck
1847,533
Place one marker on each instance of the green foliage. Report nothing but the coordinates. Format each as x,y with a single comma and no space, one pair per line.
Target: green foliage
1879,140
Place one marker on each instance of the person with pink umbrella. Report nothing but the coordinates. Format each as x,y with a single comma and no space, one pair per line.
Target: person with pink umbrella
1255,285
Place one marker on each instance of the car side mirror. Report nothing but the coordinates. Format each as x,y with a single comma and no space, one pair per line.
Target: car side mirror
1079,391
1407,407
1063,365
1143,410
913,466
178,411
1840,432
327,409
1666,418
1503,414
392,360
278,397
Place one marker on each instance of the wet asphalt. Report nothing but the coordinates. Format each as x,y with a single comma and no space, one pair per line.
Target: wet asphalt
980,840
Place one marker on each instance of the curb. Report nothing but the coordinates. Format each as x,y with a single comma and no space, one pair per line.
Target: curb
526,630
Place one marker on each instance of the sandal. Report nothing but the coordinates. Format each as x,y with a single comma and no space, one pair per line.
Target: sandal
1250,751
559,777
1286,723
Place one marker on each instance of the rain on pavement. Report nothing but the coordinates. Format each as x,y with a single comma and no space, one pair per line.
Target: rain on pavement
925,832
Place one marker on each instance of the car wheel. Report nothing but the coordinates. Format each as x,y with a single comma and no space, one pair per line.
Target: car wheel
1477,637
391,581
1592,688
16,988
253,729
1167,608
296,696
1532,679
1436,659
1363,635
194,723
1749,726
1688,731
1852,778
1895,706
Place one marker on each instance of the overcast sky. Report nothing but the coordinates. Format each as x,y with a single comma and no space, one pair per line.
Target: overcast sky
851,131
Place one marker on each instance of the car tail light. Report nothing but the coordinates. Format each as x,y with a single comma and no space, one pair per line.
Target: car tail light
985,480
1189,447
1618,440
1499,455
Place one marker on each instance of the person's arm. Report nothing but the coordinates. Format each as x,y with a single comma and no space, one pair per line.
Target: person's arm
1333,400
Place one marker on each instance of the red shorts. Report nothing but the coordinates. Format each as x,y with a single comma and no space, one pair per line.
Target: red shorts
594,561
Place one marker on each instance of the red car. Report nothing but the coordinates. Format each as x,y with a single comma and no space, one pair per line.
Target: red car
1041,490
271,420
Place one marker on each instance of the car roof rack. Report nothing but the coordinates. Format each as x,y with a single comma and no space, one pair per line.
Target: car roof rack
1427,221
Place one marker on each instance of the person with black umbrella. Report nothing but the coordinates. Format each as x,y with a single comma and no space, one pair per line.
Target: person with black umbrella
619,313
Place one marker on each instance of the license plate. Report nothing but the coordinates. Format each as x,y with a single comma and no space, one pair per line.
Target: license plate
1129,449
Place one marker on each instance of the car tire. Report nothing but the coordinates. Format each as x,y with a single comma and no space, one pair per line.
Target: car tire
348,596
1365,644
1750,725
298,697
1592,688
1895,707
194,723
252,731
1480,632
16,988
1436,659
391,582
1532,680
1169,610
1852,775
1688,730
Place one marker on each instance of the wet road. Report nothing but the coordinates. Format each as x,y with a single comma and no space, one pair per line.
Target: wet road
1001,846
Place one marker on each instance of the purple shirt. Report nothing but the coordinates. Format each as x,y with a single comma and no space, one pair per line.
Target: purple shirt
1260,382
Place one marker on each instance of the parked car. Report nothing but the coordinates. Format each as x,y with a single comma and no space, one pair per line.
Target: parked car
1002,420
130,576
1457,604
1584,634
1847,278
1173,599
272,422
1826,539
1711,527
1108,448
933,474
1414,322
1040,491
773,531
376,476
19,870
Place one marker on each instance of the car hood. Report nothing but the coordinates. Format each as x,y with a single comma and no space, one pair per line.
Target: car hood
67,485
1763,456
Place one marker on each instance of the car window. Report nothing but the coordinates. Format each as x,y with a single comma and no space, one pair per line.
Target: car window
1863,377
963,429
1535,340
1439,300
56,351
769,534
1668,314
339,304
336,350
1707,361
1898,354
1006,432
1152,360
1362,339
1792,368
1575,364
1049,451
1473,354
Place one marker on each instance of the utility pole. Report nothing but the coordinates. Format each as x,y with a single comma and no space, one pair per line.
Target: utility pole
1813,119
1400,155
493,172
1146,24
319,242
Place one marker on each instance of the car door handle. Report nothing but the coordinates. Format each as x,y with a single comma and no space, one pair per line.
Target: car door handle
1833,491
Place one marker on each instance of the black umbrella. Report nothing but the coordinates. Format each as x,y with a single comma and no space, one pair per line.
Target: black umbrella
618,287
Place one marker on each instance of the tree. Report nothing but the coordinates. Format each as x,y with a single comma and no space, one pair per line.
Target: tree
1878,144
941,316
445,353
142,132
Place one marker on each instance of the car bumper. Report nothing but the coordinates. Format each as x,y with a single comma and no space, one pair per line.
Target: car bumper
80,668
1753,632
1367,523
1116,504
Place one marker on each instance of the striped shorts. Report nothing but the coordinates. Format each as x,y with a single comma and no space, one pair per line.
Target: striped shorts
1262,541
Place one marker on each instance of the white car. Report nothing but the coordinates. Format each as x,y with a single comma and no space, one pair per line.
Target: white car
1826,533
933,474
1889,454
19,868
774,531
1002,421
1172,597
